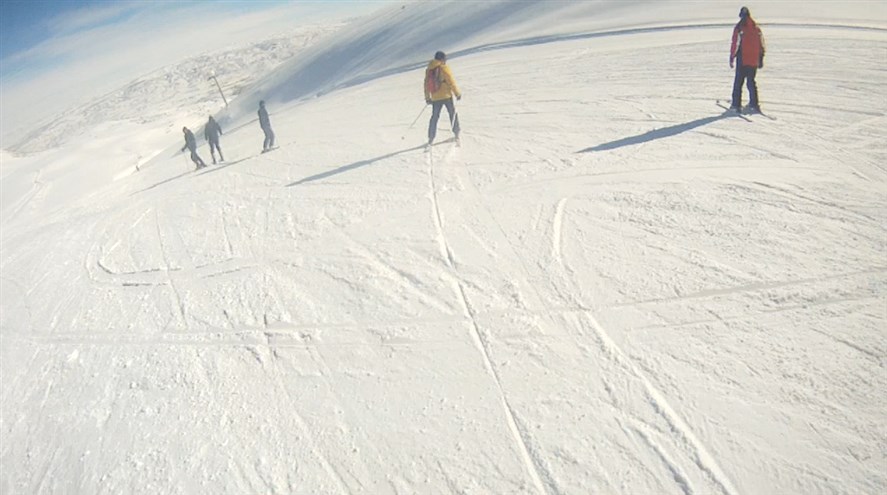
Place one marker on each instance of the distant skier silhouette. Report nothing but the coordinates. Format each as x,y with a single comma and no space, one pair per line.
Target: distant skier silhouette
191,144
265,123
211,132
440,86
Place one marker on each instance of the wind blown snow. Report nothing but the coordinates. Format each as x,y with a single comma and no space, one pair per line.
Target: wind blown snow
610,287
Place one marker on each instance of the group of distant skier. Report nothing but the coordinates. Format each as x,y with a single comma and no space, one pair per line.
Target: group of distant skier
746,53
212,130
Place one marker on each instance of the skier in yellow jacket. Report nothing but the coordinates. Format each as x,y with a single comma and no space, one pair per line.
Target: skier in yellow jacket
440,86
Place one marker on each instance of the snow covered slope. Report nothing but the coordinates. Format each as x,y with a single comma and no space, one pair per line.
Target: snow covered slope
611,287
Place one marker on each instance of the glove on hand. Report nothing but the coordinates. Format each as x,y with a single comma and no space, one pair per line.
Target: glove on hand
458,97
428,101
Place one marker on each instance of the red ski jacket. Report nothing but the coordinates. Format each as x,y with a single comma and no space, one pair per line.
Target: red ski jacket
748,43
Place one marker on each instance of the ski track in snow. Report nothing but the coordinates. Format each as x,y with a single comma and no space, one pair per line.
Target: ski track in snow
168,270
673,467
557,235
305,428
445,252
681,430
529,459
35,190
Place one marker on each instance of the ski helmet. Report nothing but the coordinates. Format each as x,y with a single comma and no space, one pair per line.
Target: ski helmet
440,56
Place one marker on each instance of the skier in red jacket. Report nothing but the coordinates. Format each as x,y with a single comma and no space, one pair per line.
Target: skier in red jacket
747,50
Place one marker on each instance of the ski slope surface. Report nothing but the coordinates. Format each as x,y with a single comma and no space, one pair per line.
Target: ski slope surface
610,287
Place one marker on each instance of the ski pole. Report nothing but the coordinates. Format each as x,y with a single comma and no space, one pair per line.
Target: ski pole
417,116
416,119
455,118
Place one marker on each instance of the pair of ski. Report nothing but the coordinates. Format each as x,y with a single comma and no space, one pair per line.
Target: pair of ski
744,113
223,162
458,143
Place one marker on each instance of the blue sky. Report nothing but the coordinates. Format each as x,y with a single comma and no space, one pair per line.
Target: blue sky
24,23
27,24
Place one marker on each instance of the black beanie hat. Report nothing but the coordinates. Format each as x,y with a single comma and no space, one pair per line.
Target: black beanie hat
440,56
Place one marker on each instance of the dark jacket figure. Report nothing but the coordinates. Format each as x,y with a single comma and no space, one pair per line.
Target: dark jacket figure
747,49
211,132
440,86
191,144
265,123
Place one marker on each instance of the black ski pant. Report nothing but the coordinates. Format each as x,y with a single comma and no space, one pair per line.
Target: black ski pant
435,116
745,75
196,159
213,147
269,139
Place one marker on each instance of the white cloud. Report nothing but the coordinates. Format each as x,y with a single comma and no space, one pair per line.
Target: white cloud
91,16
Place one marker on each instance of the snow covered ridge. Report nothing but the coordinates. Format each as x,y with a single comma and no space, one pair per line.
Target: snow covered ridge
165,95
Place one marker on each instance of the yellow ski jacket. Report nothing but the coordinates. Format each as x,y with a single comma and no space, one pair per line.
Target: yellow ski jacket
438,75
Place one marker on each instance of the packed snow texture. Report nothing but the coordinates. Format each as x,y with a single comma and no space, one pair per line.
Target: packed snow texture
610,287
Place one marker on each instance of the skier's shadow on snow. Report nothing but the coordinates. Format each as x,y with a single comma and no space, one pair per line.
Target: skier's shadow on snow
663,132
215,168
162,182
351,166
